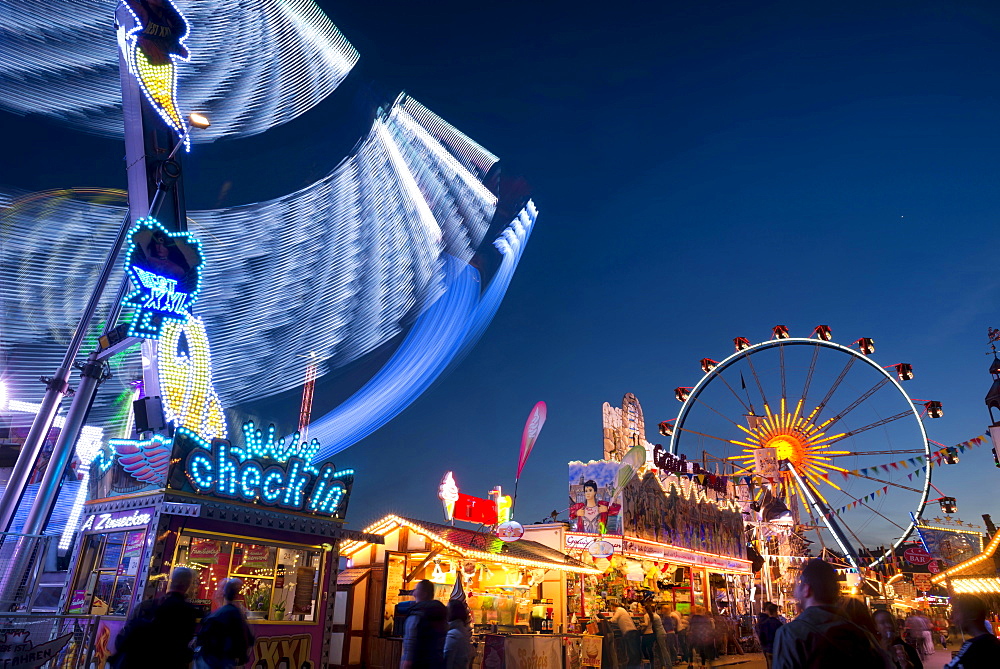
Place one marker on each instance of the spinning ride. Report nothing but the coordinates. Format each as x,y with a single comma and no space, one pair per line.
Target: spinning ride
836,445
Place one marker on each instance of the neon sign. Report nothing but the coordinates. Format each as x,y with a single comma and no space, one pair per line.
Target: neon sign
152,49
102,522
279,476
165,268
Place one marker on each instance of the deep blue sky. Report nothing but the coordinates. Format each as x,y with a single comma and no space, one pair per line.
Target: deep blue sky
704,171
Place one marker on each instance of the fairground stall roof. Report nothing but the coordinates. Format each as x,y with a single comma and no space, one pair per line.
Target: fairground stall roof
475,545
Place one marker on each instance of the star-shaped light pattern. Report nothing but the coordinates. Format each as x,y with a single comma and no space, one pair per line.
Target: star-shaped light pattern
797,439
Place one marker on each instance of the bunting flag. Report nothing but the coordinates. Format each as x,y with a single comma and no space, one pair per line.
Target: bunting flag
936,457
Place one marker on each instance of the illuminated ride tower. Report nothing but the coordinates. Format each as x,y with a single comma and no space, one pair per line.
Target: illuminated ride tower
416,184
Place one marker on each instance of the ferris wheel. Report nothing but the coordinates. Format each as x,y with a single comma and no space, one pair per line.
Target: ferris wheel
828,435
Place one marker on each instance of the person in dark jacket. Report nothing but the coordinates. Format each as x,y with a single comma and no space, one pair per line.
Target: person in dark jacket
159,633
225,637
982,649
425,631
821,637
767,629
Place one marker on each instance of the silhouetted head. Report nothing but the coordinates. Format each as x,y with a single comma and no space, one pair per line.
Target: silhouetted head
230,588
181,579
817,584
424,592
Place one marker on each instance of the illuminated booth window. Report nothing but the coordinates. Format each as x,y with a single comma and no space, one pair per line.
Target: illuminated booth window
281,582
107,573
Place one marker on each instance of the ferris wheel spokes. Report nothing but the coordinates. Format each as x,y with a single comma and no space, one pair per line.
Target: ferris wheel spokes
825,514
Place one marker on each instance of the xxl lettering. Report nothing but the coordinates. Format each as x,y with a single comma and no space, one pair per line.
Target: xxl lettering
290,651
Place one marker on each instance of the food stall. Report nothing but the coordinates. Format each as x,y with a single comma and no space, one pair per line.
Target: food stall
515,589
257,511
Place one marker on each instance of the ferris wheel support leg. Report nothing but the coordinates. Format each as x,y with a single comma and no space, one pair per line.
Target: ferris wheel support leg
824,512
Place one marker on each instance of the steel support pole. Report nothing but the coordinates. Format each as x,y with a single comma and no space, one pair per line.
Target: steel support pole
91,376
56,388
824,512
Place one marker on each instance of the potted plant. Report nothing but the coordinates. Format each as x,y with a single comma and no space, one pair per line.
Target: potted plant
279,611
257,604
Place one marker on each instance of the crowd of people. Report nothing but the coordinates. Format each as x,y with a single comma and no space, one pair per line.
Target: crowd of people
829,632
163,633
832,632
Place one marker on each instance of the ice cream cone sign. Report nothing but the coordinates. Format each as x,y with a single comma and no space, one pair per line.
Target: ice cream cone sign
448,494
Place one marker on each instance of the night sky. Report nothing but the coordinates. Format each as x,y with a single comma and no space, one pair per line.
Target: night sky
703,171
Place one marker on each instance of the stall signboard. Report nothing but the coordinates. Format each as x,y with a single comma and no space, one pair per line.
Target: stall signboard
477,510
660,552
117,520
205,551
529,651
266,472
19,651
950,546
766,464
672,511
594,502
592,650
916,555
256,556
922,582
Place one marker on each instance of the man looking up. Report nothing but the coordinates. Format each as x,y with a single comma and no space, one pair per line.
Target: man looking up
820,638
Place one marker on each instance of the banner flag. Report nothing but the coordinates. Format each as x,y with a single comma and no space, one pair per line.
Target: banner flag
536,419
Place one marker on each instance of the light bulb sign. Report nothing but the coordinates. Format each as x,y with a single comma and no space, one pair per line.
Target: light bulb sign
266,473
165,269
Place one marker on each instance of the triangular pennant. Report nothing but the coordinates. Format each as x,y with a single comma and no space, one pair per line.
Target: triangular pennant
909,477
895,465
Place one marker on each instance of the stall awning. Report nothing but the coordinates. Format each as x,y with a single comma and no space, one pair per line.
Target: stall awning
477,545
352,575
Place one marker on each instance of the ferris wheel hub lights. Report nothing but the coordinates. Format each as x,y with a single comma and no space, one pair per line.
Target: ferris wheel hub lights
707,365
199,121
682,394
788,447
741,344
780,332
934,410
823,332
904,371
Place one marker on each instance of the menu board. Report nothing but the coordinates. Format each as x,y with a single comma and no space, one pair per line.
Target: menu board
394,573
304,587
